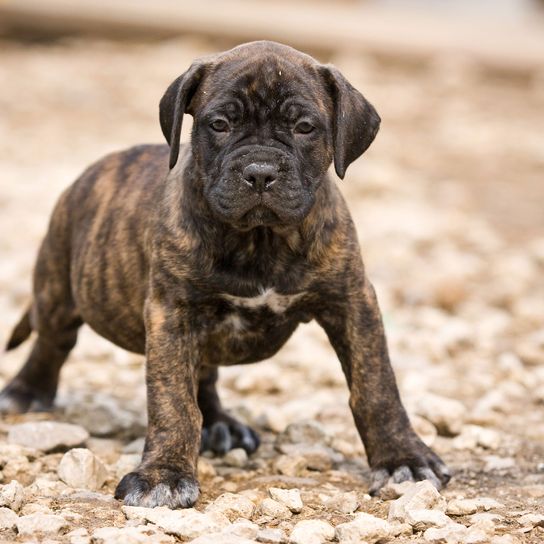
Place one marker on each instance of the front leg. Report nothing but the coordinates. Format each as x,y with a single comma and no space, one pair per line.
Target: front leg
354,327
167,474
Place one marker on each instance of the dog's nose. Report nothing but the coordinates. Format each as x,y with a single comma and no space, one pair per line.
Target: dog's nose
260,175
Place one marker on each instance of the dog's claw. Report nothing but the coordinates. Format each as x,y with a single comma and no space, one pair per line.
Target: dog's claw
223,436
421,464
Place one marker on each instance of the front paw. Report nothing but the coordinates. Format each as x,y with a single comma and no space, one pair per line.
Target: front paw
410,461
158,486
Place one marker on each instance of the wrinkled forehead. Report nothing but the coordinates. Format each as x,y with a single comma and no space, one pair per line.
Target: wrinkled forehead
265,82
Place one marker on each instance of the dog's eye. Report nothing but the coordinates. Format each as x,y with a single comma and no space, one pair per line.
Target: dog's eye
304,127
220,125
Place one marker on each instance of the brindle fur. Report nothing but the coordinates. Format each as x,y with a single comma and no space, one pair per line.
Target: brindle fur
155,259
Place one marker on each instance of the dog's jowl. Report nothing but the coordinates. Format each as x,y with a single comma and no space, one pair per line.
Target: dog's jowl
211,254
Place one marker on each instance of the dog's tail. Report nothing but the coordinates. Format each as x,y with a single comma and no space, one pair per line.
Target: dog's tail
21,331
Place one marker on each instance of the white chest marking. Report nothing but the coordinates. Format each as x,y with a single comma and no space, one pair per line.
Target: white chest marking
268,297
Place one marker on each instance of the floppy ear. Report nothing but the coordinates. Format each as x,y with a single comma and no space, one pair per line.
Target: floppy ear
355,121
174,104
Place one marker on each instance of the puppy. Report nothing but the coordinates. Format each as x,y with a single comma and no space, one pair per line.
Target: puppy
211,254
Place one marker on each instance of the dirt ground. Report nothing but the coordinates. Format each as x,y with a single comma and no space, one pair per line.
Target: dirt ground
448,206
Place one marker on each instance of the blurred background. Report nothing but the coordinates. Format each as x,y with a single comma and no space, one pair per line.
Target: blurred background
448,202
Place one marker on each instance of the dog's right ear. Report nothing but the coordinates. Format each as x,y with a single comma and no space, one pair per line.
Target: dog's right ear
175,102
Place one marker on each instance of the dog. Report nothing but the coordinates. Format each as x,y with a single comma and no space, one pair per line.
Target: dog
211,254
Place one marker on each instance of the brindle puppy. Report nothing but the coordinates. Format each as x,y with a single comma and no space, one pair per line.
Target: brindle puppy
212,254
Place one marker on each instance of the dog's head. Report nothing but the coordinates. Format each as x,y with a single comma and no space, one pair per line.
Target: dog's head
268,121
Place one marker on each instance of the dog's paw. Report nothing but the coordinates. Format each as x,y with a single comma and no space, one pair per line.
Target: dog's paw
152,487
417,463
223,436
18,398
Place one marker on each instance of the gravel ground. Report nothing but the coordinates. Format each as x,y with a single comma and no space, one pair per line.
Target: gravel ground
448,205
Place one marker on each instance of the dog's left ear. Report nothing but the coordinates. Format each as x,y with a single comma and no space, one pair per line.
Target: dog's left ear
174,104
355,121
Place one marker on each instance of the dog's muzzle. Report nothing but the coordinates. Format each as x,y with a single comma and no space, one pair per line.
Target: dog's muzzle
259,186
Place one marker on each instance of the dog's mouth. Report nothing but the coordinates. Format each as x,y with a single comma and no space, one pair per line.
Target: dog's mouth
259,216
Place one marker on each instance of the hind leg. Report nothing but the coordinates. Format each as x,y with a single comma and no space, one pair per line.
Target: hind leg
54,317
220,431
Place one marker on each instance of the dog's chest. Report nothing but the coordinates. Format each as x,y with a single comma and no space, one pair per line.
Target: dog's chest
268,298
253,328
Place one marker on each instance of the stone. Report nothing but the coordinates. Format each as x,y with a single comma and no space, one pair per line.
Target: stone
391,491
187,523
242,528
12,495
346,503
493,462
47,435
81,468
531,520
270,508
474,435
232,505
363,528
461,507
419,496
320,458
423,519
271,536
236,457
424,429
447,415
288,497
304,432
221,538
454,533
311,531
8,518
49,524
78,536
205,468
291,465
143,534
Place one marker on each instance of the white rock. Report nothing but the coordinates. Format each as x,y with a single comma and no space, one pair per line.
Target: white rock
288,497
12,495
346,503
291,465
420,496
454,533
205,468
47,435
232,506
271,536
242,528
81,468
187,523
493,462
311,531
41,523
423,519
304,432
462,507
474,435
221,538
487,503
8,518
531,520
236,457
447,415
78,536
143,534
274,509
504,539
424,429
364,528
